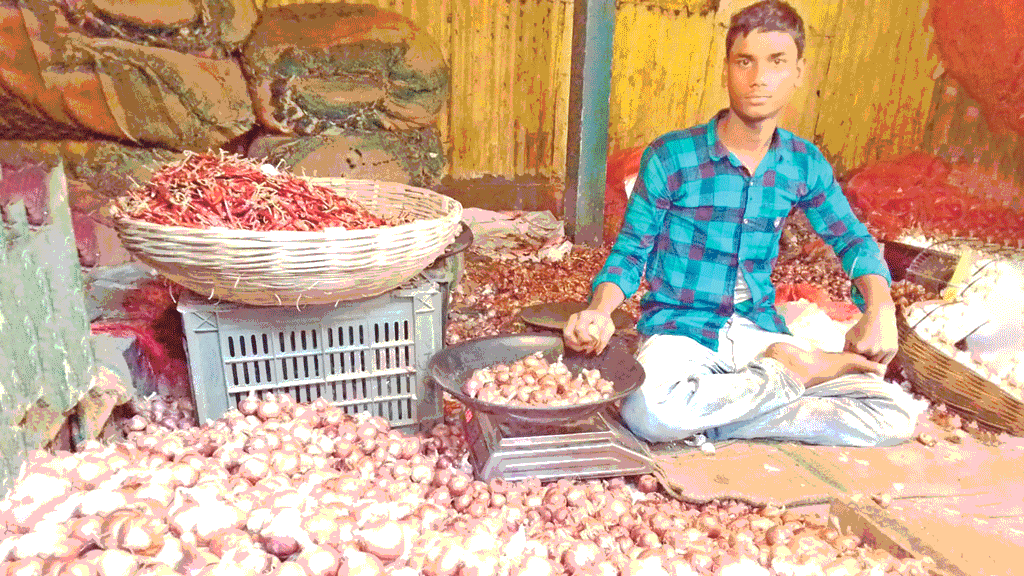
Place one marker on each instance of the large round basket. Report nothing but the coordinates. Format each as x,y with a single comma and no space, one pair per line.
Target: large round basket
940,378
286,268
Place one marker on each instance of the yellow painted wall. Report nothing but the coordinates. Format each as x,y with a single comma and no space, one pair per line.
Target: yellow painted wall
867,93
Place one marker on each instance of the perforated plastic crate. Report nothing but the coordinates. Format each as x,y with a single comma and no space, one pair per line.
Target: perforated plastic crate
368,355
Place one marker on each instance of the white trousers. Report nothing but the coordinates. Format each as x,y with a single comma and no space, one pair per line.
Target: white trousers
735,393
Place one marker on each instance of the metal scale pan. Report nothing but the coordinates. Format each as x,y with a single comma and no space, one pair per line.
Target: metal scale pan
518,442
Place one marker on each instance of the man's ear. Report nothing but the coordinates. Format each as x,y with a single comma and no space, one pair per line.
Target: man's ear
800,65
725,72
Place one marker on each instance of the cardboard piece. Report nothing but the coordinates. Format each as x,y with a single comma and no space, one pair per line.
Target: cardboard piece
796,474
107,392
752,472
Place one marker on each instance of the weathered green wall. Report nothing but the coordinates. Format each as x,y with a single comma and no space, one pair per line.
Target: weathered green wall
46,355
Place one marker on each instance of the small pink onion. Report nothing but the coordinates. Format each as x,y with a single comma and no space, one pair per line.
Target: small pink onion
268,410
319,560
385,540
356,563
248,405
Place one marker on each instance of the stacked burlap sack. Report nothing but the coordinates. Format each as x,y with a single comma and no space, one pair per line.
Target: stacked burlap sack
116,88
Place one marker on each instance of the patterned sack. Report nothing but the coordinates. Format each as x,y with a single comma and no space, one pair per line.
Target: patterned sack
414,157
213,28
62,84
316,66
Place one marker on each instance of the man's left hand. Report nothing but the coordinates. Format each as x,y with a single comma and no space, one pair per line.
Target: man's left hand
874,336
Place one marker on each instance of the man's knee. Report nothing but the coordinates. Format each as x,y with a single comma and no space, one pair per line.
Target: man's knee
897,418
642,417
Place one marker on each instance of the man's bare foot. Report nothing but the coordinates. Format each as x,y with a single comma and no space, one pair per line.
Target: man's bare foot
811,368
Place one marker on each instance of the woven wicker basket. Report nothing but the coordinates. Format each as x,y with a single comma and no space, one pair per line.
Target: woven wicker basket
940,378
299,268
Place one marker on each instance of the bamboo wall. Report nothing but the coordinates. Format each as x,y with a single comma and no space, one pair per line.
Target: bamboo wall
868,90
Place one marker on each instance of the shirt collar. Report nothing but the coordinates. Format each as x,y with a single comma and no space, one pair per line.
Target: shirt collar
718,151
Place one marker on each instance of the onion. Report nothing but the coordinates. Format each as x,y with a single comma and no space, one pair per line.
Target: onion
356,563
366,431
114,562
288,568
385,540
142,536
279,545
87,527
254,468
444,559
268,410
422,473
581,556
711,525
459,484
647,484
649,566
25,567
319,560
221,541
343,447
286,463
479,565
411,446
742,566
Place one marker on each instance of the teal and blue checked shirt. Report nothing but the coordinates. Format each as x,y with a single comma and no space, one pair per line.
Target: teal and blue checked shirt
696,216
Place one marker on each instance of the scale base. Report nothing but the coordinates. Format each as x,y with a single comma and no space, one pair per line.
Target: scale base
595,447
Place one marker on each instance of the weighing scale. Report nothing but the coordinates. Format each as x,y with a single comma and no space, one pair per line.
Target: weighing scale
519,442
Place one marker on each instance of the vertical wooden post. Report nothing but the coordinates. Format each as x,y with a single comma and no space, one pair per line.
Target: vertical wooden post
593,35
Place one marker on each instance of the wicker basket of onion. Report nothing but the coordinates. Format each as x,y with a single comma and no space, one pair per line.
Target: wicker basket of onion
936,344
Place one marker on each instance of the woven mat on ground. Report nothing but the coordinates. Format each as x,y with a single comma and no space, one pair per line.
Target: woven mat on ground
68,81
414,157
343,65
794,474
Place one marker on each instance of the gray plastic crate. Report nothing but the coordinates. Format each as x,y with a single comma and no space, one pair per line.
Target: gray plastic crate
368,355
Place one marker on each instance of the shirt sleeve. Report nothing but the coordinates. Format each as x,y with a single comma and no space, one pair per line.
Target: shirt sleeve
832,218
645,215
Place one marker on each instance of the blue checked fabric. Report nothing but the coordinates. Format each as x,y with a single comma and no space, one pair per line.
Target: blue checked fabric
696,217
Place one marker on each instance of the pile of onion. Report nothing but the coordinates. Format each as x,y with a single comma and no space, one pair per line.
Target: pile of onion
534,381
282,488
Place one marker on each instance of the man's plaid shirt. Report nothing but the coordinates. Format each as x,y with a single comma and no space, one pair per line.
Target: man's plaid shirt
696,216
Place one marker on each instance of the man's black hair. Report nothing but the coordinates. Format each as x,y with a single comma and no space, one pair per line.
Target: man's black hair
767,16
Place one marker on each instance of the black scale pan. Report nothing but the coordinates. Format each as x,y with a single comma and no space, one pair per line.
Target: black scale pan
453,366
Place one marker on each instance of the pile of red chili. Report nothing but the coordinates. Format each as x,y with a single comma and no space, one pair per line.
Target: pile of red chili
919,193
229,191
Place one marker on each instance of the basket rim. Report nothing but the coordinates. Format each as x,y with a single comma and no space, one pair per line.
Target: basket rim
119,218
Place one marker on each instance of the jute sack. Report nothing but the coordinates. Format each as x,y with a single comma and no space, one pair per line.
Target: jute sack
114,88
317,66
208,27
414,157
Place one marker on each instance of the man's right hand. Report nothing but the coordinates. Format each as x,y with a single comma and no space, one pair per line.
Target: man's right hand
588,331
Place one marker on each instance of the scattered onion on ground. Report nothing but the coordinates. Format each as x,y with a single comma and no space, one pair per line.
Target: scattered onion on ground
362,498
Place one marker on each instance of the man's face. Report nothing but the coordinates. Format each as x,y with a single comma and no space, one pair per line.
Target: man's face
762,71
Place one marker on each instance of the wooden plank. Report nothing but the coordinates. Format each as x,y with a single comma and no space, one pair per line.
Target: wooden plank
13,448
47,364
965,535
